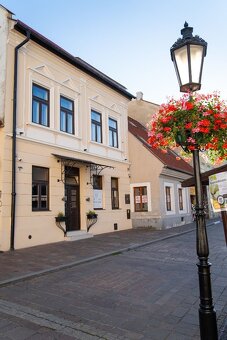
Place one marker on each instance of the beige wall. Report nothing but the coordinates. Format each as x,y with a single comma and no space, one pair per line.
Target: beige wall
142,110
145,168
36,143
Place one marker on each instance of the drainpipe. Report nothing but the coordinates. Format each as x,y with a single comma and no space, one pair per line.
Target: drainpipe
13,194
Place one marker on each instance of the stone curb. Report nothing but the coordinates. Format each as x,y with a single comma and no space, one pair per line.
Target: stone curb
93,258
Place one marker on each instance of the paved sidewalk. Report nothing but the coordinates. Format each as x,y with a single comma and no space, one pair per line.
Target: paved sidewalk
21,265
36,261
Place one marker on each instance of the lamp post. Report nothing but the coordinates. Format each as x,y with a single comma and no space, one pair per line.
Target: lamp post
187,54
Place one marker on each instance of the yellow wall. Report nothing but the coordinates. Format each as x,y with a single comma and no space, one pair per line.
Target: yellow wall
36,144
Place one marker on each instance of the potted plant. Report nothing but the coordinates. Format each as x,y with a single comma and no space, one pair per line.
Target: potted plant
60,217
91,214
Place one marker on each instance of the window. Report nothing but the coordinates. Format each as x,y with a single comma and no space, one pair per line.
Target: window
40,105
40,188
66,115
113,137
140,199
97,182
168,198
97,192
180,197
114,193
96,127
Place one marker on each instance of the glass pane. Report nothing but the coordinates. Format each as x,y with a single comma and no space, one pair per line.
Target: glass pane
70,123
66,103
97,182
40,92
43,202
137,191
63,121
35,189
137,207
43,189
182,63
96,116
93,135
35,111
196,60
144,207
44,118
39,174
115,140
34,202
112,123
99,135
144,190
110,138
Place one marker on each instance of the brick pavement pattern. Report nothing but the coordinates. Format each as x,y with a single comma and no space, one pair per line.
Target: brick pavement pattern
139,292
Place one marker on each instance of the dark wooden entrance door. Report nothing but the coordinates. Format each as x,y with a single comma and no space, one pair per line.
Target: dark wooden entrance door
72,207
72,195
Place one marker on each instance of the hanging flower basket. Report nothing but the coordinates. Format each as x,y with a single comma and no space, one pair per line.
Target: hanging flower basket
193,121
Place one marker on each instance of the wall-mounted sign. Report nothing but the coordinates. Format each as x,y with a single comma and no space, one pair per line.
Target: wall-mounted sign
218,191
137,199
97,199
144,199
127,199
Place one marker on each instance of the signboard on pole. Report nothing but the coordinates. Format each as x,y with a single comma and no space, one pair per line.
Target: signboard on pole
218,191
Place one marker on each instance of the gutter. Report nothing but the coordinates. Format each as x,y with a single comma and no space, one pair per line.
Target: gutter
13,193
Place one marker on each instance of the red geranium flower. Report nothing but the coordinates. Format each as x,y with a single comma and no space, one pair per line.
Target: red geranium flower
194,117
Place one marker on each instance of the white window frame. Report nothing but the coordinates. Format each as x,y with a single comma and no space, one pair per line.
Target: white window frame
185,205
172,198
141,184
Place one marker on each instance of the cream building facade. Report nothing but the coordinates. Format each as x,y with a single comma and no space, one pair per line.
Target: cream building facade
158,198
64,142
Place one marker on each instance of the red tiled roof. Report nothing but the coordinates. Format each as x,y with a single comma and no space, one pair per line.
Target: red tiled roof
168,159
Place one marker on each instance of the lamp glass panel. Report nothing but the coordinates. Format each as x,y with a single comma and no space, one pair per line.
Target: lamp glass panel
196,53
182,64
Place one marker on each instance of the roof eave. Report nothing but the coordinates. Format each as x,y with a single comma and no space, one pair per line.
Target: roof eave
77,62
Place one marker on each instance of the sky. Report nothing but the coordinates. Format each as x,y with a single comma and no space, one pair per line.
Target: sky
130,40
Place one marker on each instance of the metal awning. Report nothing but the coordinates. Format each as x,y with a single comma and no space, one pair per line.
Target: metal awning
95,168
190,182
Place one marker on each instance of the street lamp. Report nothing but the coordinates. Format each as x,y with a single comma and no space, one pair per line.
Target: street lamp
187,54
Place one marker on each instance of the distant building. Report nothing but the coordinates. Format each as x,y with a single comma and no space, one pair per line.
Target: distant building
157,196
63,142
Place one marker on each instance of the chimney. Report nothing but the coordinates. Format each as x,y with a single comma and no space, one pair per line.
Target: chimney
139,95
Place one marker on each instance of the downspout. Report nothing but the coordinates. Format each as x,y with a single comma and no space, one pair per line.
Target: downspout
13,194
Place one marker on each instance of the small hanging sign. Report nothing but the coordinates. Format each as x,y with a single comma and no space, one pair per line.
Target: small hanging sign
218,191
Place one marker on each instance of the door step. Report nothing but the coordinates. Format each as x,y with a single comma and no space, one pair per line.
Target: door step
77,235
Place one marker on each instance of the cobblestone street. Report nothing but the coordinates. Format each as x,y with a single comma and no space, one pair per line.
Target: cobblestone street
148,292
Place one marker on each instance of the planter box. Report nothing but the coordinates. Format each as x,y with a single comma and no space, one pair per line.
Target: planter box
60,219
92,216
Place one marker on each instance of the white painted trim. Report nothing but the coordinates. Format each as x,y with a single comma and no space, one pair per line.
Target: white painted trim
184,211
172,197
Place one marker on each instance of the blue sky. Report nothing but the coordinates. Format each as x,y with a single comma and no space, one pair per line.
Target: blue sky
129,40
